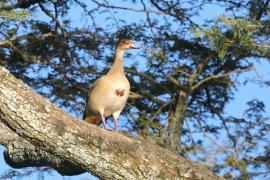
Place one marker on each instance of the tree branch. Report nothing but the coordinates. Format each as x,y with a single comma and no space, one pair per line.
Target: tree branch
108,155
57,22
177,84
218,76
20,153
125,8
150,79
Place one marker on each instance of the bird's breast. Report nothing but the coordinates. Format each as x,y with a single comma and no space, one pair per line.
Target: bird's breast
110,96
118,96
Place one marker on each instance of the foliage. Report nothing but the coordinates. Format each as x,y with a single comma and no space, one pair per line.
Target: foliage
230,35
13,15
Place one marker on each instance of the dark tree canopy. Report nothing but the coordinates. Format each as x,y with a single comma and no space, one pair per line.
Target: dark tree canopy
181,81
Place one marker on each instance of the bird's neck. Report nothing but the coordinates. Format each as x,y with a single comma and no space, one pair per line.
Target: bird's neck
118,67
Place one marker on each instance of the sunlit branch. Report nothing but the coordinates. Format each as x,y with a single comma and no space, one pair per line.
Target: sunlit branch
177,83
213,77
148,78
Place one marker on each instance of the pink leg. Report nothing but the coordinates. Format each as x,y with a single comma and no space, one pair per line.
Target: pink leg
104,123
115,119
115,123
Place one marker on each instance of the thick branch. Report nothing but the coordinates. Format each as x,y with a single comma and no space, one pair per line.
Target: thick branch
108,155
20,153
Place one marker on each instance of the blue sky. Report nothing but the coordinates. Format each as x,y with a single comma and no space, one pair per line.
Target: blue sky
235,107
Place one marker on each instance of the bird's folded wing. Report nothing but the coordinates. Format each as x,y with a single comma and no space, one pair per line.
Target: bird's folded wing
98,82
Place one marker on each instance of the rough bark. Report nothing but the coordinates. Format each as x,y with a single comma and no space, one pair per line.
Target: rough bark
176,122
36,133
20,153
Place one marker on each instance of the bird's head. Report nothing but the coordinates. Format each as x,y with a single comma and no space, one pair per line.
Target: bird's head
126,44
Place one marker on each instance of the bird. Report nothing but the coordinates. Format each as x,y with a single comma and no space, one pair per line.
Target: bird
108,95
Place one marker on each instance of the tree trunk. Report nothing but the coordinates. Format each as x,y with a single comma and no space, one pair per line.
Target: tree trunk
36,133
176,122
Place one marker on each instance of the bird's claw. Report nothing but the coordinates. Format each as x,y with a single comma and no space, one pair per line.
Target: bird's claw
114,130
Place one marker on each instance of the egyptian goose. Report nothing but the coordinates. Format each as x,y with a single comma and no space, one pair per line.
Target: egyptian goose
108,94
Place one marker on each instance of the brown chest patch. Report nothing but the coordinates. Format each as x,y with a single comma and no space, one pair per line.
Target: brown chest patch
120,92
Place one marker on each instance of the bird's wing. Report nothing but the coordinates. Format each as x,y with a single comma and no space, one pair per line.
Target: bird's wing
95,84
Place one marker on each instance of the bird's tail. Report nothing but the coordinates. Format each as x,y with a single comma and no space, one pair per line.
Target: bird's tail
92,120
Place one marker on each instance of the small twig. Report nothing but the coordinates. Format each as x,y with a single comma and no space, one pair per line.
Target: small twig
190,134
160,109
89,13
155,99
148,18
57,22
133,95
125,8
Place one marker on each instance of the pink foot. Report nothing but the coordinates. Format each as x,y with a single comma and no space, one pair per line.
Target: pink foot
108,129
104,123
